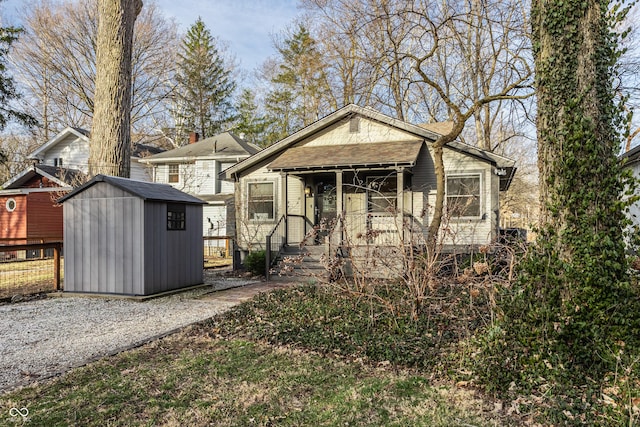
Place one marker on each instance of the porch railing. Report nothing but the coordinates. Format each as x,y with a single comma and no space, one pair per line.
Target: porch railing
276,240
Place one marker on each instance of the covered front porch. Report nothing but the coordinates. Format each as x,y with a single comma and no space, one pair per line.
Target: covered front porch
346,203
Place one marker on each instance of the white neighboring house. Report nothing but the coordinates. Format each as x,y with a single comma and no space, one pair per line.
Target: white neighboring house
69,150
31,213
194,169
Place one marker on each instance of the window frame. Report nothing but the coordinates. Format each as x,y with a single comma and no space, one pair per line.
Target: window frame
390,197
176,217
251,213
173,177
448,196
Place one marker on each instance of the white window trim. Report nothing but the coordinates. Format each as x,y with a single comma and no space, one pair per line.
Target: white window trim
169,173
275,201
371,178
478,174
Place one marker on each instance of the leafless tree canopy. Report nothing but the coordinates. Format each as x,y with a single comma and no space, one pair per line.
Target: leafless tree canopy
55,61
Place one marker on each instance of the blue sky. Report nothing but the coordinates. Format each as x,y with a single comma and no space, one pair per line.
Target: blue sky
247,25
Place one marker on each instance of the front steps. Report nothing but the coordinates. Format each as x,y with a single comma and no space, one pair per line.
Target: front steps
300,262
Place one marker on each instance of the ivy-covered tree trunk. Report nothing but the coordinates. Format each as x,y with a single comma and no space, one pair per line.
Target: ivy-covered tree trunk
576,299
110,148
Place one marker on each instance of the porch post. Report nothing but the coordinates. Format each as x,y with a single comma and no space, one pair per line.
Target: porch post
400,202
285,199
339,204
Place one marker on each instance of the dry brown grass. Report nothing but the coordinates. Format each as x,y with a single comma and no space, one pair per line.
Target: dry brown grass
27,277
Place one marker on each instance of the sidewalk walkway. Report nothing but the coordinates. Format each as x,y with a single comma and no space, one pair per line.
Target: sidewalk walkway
244,293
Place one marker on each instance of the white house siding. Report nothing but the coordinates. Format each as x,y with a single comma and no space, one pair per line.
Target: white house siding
140,172
214,223
226,187
252,234
204,179
73,151
370,132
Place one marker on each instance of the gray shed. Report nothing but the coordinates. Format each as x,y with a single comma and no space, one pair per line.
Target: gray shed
130,237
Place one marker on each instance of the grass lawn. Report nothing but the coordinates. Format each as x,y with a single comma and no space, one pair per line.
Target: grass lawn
25,277
287,358
193,379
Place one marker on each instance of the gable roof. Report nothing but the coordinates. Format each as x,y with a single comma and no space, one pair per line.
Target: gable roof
221,145
80,133
148,191
402,153
347,111
64,177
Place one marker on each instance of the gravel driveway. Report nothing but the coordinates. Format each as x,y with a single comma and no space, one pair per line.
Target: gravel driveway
42,338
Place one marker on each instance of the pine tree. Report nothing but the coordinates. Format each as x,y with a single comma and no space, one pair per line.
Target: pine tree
204,84
249,123
300,87
8,91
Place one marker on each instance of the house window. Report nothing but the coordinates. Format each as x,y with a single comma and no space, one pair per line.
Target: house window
463,196
11,205
174,173
176,216
381,194
261,201
57,162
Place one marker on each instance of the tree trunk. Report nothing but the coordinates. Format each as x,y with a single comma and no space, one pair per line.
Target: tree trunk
576,135
110,149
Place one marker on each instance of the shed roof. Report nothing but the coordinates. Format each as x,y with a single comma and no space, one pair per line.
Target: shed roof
149,191
348,155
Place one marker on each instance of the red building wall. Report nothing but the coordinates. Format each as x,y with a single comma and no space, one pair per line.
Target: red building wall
13,225
44,217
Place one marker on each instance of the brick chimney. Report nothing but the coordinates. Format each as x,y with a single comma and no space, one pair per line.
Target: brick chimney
193,137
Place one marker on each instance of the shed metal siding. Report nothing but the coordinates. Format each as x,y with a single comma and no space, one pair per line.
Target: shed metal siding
103,245
174,257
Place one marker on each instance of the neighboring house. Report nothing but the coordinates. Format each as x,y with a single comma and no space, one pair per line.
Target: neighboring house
372,172
28,209
194,169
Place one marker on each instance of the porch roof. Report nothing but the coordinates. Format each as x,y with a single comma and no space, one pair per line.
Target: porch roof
348,156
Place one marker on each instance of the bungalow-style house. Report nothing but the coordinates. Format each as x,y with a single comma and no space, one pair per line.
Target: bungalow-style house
375,175
631,159
194,169
28,209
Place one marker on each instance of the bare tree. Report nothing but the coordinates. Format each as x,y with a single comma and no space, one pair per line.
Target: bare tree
448,60
110,148
55,59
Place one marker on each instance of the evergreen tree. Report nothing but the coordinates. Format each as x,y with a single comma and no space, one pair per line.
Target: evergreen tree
8,91
249,123
300,88
204,85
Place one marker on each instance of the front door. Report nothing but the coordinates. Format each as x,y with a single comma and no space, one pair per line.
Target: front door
325,201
